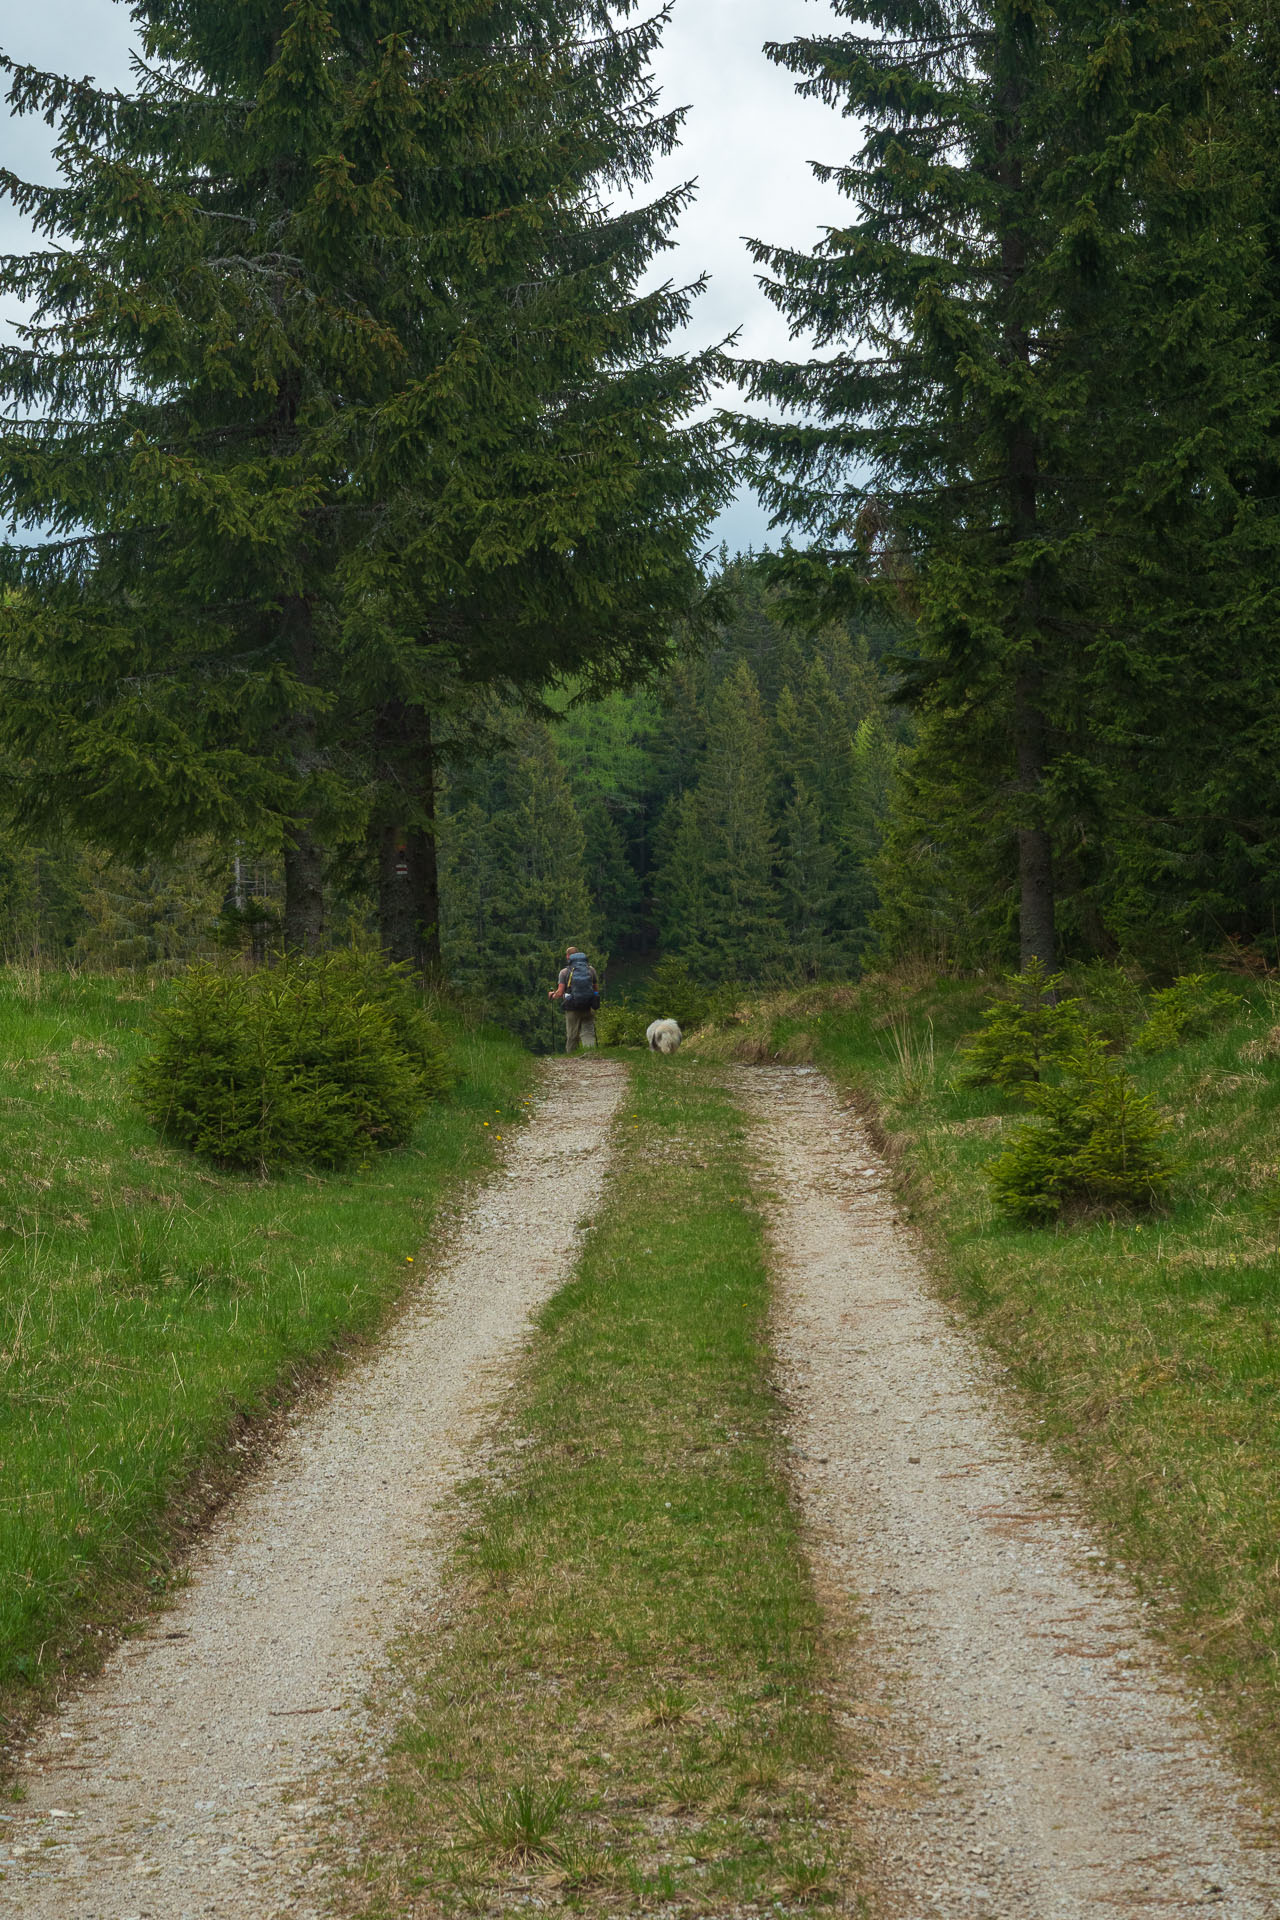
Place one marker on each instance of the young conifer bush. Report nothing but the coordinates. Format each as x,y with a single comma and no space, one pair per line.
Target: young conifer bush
309,1063
1095,1138
1025,1034
621,1026
1111,999
359,971
1191,1007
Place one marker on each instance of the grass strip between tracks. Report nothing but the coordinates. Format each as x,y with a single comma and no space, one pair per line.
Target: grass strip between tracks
152,1308
621,1707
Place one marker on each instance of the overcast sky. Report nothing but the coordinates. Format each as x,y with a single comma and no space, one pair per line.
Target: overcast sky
747,142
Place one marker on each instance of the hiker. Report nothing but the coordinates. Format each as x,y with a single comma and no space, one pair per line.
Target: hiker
578,991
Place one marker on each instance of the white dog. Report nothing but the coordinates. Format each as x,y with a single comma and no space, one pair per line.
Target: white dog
664,1036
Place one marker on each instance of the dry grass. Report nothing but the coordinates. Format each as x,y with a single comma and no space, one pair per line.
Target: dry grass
1265,1047
620,1710
753,1036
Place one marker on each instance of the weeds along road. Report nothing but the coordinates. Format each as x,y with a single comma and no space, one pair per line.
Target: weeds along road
1029,1756
164,1789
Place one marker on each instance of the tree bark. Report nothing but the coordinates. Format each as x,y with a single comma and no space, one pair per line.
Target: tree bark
424,877
1036,928
303,893
395,916
1037,932
408,898
408,869
304,858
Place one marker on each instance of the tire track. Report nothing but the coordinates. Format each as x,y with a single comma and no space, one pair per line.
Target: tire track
170,1788
1033,1756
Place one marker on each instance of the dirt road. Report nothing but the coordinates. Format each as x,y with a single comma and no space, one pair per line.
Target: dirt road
1033,1759
1030,1756
163,1791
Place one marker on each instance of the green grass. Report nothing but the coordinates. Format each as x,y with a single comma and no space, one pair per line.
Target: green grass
151,1307
1148,1344
621,1708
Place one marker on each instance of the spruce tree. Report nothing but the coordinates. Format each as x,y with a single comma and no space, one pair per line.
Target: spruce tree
812,751
515,888
718,893
1039,346
343,404
834,758
611,879
683,890
809,854
200,328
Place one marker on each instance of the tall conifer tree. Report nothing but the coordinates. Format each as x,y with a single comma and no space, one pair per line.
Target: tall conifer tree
341,403
718,893
1038,351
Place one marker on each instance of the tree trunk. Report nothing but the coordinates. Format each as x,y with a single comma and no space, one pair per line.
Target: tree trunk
395,903
408,870
424,863
424,877
1036,930
303,893
1037,937
409,898
304,858
1037,933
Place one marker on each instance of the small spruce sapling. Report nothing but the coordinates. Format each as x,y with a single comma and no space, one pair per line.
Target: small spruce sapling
1094,1138
621,1026
1111,1000
1023,1036
308,1063
1192,1006
675,993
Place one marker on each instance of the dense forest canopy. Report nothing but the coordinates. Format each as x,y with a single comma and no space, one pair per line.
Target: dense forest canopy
357,582
729,813
728,816
1041,429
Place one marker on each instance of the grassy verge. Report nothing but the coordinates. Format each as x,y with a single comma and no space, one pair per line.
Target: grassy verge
1149,1346
151,1308
620,1709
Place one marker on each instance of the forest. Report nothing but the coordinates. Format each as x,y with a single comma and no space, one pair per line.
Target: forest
358,583
368,634
729,816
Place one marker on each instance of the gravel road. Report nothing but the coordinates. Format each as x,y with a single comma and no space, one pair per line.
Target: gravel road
1032,1755
168,1790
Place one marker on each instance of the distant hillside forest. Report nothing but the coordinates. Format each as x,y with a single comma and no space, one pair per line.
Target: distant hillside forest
729,814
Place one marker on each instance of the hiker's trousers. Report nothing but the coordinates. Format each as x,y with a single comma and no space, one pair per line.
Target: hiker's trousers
579,1030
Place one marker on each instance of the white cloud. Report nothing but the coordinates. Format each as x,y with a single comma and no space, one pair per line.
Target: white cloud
747,142
86,38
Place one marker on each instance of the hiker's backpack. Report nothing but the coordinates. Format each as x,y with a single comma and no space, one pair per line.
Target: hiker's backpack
580,995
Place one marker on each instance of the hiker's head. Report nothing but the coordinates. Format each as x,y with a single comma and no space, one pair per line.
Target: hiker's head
571,949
